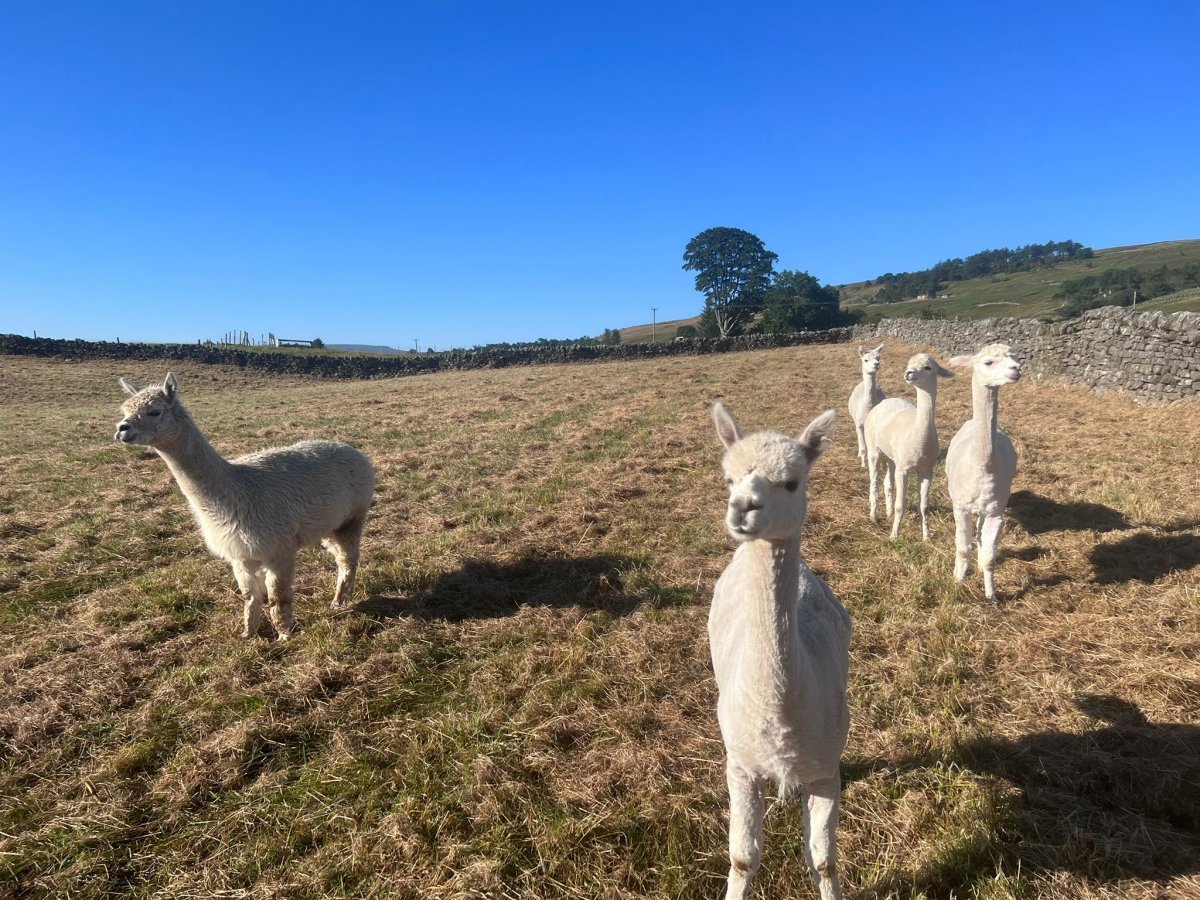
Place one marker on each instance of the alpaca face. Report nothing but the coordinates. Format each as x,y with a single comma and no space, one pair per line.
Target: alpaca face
767,474
870,359
923,371
995,367
768,479
149,415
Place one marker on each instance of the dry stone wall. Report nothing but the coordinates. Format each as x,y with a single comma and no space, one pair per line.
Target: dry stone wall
346,366
1153,356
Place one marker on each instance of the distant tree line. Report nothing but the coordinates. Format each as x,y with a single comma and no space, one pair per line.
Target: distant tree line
610,338
1118,287
743,294
927,282
796,301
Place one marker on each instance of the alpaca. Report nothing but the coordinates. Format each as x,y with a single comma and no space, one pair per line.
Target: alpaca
981,463
256,511
780,643
904,437
866,395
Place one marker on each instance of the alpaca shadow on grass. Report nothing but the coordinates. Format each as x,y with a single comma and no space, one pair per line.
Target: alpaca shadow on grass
484,589
1038,514
1145,557
1115,802
1032,553
1034,586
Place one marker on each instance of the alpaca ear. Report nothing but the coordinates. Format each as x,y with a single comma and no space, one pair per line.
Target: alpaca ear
878,349
942,372
963,361
129,387
171,386
818,436
861,349
728,429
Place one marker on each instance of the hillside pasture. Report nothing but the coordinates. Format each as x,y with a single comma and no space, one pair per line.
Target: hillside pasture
520,703
660,331
1029,295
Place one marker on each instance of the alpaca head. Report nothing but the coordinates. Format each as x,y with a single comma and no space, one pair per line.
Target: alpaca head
870,359
993,366
923,371
767,474
151,415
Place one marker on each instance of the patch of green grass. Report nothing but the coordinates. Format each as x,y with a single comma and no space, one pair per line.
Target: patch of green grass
1180,301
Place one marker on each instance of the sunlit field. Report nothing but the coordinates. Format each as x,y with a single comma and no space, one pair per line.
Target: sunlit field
520,703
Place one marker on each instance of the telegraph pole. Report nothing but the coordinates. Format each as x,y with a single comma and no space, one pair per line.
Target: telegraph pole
653,321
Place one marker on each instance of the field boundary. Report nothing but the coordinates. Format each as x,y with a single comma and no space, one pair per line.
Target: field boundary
1153,356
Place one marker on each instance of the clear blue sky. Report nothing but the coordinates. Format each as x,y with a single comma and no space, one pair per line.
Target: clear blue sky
470,172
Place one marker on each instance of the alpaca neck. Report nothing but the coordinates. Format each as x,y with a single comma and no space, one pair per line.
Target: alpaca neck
772,611
925,403
869,379
986,405
202,473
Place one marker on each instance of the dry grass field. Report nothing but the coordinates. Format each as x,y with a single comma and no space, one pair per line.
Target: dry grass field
521,702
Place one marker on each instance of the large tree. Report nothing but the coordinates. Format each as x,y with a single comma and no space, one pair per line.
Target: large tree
797,302
733,271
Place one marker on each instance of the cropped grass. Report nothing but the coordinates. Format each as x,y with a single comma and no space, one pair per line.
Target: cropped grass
520,702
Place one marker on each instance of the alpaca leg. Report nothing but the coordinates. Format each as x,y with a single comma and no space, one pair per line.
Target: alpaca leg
901,500
925,482
821,800
344,544
873,462
889,488
746,805
989,537
861,433
253,593
280,597
964,534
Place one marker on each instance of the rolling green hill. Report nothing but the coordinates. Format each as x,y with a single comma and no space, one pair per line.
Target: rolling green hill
1029,294
1021,294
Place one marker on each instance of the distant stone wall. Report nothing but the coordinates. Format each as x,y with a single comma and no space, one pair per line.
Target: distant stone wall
1153,356
345,366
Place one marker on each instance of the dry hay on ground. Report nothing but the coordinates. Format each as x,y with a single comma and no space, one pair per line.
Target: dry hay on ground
521,703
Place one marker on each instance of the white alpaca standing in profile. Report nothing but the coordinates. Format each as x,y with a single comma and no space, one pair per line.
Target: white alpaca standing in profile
258,510
904,438
866,396
981,463
780,647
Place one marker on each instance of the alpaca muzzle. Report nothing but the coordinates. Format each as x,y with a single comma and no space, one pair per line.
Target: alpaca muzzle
739,514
